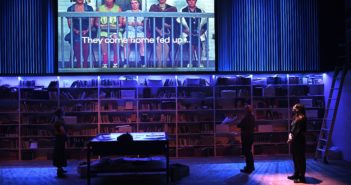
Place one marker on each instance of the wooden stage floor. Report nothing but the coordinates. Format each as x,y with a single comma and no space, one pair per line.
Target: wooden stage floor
203,171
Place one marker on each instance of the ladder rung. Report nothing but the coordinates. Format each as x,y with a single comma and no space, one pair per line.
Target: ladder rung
325,129
336,88
321,149
331,98
325,140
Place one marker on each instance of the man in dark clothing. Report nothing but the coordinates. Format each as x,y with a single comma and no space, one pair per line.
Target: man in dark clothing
247,125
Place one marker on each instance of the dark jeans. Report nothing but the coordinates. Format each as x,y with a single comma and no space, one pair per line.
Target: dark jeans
299,158
246,151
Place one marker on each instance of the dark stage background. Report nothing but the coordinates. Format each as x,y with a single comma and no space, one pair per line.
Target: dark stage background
252,36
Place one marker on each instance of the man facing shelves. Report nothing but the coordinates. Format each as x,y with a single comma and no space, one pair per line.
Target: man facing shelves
247,126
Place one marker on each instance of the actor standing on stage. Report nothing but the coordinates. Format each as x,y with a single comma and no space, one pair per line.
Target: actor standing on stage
247,125
298,143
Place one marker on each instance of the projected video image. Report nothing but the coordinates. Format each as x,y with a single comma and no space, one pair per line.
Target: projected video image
98,36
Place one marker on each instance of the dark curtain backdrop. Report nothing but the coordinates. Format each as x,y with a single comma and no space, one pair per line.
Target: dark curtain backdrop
268,35
27,37
253,36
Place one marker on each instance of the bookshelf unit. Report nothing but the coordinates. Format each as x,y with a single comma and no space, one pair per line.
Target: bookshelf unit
190,108
9,119
195,110
231,94
79,99
38,100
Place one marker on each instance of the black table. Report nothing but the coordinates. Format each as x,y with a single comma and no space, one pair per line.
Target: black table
144,143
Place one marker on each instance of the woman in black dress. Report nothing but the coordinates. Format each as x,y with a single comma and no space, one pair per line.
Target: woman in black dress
298,143
59,154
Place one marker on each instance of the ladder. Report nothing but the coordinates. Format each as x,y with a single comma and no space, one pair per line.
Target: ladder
325,135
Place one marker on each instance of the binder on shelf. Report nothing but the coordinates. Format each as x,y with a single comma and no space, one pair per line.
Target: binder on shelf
129,83
127,94
154,83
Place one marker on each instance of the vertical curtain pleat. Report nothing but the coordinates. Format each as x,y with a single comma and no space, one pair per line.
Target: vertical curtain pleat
268,36
27,37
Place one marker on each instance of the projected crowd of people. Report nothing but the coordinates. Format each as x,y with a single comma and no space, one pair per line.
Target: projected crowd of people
125,35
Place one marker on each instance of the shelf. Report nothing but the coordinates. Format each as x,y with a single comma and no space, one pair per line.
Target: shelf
193,122
272,108
236,97
25,137
8,137
118,111
194,110
271,132
230,144
101,107
158,110
9,149
75,136
191,134
8,125
228,133
195,98
269,143
11,112
191,146
33,149
306,96
270,120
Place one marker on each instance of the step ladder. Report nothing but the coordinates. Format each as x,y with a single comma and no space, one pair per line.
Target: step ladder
330,113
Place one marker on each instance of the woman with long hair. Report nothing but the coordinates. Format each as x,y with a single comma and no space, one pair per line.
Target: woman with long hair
59,154
298,143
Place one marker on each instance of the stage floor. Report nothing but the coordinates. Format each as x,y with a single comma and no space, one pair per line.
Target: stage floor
203,171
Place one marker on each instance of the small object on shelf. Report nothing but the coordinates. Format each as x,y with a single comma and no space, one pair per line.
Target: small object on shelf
127,94
129,105
229,119
33,145
228,93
